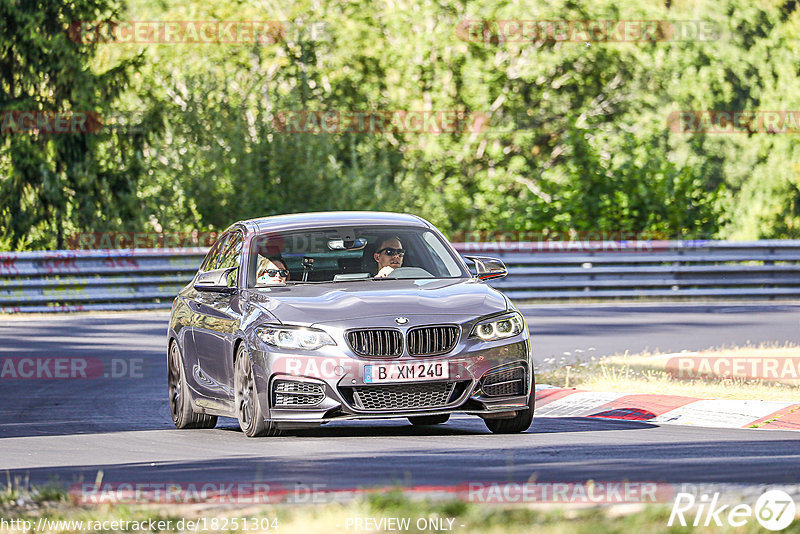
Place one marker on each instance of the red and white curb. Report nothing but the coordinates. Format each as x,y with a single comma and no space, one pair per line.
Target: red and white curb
671,409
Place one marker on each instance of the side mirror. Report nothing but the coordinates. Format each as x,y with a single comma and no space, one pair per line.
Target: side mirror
217,281
488,268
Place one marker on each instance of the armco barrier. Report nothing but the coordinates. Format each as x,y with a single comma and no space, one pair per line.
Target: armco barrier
75,280
646,269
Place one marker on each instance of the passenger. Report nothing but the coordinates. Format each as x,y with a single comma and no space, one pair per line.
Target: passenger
389,256
272,271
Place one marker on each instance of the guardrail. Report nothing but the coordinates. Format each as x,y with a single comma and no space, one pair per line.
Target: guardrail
646,269
76,280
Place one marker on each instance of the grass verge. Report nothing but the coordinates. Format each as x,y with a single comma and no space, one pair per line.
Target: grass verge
727,373
361,515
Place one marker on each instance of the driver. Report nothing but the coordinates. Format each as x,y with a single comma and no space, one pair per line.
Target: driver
389,256
272,271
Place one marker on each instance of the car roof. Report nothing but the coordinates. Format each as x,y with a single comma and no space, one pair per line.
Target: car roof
299,221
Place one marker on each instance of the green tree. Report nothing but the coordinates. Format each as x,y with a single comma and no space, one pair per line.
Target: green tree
52,184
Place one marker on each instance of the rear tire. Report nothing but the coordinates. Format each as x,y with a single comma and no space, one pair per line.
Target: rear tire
248,409
180,404
426,420
519,423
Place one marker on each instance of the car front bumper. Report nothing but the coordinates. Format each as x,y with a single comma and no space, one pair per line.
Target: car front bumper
329,385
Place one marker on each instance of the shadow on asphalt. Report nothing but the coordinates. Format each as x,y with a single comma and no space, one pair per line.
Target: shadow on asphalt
409,463
460,426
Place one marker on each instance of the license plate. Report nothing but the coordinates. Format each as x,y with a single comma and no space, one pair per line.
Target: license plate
405,372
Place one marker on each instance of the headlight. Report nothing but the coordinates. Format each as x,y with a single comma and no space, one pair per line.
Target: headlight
294,337
502,328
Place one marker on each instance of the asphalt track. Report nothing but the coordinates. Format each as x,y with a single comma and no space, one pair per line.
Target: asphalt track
67,430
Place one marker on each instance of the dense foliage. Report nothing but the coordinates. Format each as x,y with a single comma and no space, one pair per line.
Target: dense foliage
578,138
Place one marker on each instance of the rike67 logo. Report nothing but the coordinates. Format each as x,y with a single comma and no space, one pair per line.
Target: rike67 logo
774,510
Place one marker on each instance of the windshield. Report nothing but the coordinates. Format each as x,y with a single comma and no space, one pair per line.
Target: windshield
347,254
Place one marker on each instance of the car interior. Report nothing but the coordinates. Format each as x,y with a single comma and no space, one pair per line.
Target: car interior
320,263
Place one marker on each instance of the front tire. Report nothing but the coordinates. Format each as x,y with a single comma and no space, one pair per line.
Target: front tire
180,405
519,423
248,409
426,420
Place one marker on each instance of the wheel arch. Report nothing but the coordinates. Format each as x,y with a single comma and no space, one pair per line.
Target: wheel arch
173,337
236,344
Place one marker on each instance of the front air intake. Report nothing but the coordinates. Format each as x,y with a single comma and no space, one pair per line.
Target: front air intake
505,382
293,393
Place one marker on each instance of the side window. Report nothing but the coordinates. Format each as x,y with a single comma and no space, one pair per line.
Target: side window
212,258
232,252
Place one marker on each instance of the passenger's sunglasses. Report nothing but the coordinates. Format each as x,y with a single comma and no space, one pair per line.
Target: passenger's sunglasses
392,251
275,272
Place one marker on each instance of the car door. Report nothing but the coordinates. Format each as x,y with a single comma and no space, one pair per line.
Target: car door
217,321
193,319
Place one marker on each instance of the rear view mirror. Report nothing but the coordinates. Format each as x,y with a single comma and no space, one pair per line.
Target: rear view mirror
217,281
342,244
488,268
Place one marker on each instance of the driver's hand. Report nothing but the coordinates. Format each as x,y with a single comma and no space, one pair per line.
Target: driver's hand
383,273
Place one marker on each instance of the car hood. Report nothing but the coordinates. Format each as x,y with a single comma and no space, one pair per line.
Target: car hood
335,302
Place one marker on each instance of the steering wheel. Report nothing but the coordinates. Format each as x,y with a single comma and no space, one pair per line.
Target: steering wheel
409,272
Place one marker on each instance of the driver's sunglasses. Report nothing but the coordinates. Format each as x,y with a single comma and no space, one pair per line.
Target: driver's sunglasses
393,251
275,272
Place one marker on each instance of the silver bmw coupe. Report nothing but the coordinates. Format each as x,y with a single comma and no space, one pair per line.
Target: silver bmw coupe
293,321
